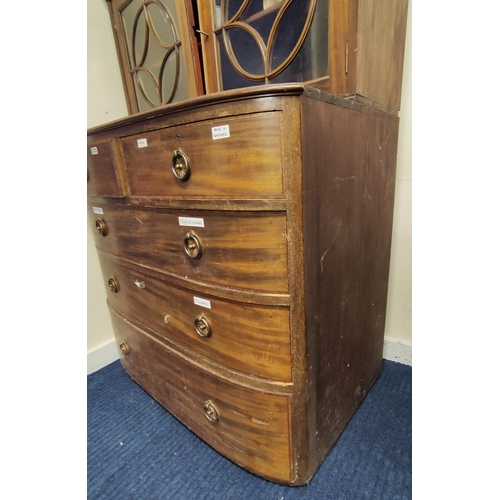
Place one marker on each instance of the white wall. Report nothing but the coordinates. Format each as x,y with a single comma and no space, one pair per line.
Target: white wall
398,331
106,102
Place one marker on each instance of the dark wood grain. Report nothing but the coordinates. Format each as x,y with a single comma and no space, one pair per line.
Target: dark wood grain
104,177
241,250
253,426
247,338
380,51
247,163
348,196
297,279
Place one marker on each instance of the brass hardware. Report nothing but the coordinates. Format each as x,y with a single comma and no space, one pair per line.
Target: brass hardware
113,285
101,226
124,348
192,245
211,411
202,326
180,166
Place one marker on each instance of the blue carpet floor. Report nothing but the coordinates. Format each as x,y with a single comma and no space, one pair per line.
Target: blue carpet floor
137,450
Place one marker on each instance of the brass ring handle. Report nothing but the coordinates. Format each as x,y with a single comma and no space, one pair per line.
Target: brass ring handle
211,411
101,226
192,245
124,348
180,166
113,285
202,326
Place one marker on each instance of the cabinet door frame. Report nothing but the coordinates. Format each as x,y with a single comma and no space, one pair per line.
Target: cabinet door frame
336,79
190,58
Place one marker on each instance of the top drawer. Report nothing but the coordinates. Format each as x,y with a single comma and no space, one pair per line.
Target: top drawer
103,171
225,157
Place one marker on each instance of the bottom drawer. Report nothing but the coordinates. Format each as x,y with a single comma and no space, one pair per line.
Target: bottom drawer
247,426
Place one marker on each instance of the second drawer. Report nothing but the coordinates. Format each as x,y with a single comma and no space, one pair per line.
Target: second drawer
238,250
244,337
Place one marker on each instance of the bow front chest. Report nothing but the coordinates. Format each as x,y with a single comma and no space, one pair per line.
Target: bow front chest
244,241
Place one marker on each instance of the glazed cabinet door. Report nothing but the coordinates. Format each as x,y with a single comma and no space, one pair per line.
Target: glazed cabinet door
252,42
157,50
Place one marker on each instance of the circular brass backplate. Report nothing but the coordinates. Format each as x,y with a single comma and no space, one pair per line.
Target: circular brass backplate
202,326
211,411
180,166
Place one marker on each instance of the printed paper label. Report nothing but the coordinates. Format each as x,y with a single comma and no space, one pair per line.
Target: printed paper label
142,143
191,221
220,132
202,302
94,150
97,210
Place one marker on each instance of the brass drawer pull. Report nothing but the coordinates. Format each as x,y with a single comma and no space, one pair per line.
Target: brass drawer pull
180,166
192,245
124,348
211,411
113,285
202,326
101,226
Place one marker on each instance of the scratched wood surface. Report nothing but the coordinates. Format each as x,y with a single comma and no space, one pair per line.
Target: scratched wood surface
247,160
245,337
348,209
240,250
298,284
252,429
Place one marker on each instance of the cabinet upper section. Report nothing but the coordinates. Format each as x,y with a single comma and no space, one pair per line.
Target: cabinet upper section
174,50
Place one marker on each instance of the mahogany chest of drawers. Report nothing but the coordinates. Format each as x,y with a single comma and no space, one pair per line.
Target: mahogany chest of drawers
244,240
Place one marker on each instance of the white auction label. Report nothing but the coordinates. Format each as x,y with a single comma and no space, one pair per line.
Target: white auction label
97,210
220,132
202,302
142,143
94,150
191,221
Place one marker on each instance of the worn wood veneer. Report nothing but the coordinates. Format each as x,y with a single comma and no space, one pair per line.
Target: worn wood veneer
293,281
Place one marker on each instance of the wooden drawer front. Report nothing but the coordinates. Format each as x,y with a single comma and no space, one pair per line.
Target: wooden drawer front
240,250
248,162
103,172
247,338
252,428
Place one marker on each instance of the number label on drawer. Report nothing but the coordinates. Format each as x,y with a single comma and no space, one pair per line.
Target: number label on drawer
98,210
191,221
94,150
142,143
202,302
221,132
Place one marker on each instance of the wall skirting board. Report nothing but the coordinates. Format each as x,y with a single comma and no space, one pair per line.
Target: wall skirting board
397,350
394,350
101,356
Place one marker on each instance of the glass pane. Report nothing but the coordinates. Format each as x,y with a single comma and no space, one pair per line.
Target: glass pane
231,79
246,51
297,58
311,61
288,32
154,52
